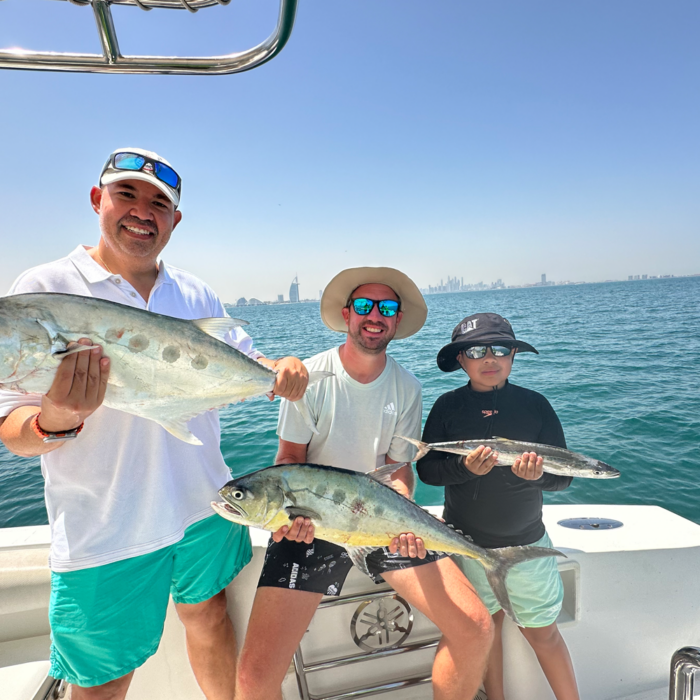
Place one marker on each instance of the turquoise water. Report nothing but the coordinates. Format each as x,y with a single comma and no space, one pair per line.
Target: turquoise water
620,363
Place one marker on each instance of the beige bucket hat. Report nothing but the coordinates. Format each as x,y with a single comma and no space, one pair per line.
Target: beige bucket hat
336,294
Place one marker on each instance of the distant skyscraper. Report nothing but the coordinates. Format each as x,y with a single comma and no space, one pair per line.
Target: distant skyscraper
544,280
280,298
294,290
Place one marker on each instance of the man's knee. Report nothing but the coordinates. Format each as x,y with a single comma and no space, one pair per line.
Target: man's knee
482,625
256,672
113,690
474,627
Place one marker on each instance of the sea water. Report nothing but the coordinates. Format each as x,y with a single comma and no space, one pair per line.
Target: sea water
619,362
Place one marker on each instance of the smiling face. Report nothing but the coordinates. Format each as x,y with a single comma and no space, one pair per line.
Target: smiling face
136,220
371,333
490,372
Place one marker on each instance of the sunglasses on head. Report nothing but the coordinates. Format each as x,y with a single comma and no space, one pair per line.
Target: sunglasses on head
476,352
136,162
362,306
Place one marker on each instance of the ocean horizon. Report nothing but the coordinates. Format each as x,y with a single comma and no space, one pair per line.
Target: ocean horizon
619,362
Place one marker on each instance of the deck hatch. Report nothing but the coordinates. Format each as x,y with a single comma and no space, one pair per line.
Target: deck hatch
590,523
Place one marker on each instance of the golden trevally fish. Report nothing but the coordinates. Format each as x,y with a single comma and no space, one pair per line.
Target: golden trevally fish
359,512
556,460
162,368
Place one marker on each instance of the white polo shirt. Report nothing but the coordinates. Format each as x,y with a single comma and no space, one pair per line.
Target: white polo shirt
125,486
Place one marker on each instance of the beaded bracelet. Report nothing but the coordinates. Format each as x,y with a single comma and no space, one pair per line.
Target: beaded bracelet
54,437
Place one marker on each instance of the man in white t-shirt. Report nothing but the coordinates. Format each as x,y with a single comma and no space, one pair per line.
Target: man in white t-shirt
353,421
116,557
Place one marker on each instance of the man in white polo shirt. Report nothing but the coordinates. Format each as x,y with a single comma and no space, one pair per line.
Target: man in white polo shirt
116,553
357,415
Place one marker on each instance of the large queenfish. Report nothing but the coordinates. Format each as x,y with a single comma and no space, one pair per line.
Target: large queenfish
162,368
360,512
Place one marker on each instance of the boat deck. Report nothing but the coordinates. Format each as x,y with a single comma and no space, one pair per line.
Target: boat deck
630,602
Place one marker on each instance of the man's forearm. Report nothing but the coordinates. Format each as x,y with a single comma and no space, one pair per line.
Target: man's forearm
18,436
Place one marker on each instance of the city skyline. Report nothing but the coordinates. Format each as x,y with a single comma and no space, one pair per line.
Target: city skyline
458,285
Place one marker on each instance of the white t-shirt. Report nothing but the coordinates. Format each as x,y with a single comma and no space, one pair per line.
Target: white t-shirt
125,486
358,424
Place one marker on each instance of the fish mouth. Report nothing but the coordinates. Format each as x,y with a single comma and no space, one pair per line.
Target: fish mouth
224,509
607,474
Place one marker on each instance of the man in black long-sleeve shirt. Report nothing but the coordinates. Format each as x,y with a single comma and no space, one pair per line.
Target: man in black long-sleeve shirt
497,506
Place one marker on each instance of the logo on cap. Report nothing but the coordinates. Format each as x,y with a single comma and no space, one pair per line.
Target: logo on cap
469,326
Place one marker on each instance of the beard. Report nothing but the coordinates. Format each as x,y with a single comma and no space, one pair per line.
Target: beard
368,345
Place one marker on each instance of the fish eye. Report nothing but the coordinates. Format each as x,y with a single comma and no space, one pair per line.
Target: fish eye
238,495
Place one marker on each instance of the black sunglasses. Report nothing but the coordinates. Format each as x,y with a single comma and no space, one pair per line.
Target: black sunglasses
476,352
136,162
362,306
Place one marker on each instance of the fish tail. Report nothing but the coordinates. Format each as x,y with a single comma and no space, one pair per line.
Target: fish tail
423,447
499,563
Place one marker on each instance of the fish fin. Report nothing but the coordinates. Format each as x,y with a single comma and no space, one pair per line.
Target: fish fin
358,556
423,447
218,327
178,428
297,511
315,377
60,354
384,473
499,563
59,344
304,412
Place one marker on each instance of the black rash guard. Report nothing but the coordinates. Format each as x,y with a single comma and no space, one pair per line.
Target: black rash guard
498,509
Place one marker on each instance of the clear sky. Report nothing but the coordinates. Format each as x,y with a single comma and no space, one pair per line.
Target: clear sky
471,138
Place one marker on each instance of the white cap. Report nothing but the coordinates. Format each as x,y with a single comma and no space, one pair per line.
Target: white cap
111,174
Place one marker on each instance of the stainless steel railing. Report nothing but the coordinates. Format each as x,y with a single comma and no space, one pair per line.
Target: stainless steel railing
303,669
684,663
112,61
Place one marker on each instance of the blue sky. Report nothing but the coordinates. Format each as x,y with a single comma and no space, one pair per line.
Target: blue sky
485,140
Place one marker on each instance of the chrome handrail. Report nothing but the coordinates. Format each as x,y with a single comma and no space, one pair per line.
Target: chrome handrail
112,61
302,668
684,663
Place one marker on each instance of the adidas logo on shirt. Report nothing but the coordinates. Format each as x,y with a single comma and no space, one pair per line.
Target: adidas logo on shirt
390,409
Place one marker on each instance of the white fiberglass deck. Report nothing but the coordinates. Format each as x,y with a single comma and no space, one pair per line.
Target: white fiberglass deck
631,600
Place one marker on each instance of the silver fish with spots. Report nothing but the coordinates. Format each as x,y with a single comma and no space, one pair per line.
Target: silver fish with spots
162,368
360,512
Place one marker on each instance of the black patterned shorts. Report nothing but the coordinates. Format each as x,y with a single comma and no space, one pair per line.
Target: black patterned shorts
322,567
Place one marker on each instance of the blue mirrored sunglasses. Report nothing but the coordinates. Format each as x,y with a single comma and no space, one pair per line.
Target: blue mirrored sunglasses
387,307
136,162
476,352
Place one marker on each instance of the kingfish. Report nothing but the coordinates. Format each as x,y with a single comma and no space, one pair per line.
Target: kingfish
162,368
556,460
360,512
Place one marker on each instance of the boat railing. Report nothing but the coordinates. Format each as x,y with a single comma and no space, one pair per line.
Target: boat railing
382,627
684,663
113,61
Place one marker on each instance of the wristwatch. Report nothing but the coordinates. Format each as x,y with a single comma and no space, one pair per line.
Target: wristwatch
54,437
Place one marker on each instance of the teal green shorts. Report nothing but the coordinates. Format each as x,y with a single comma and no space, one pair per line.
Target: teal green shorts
534,587
107,620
